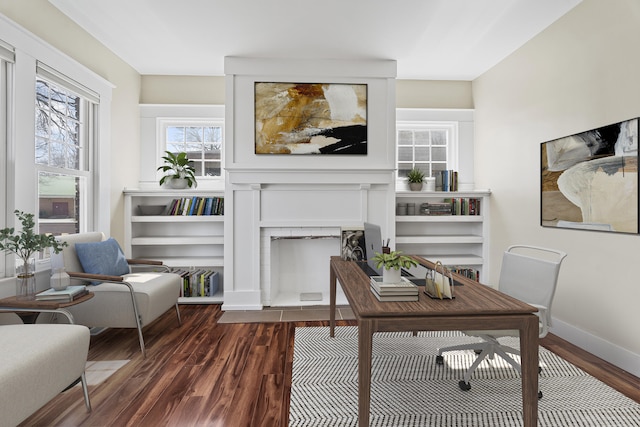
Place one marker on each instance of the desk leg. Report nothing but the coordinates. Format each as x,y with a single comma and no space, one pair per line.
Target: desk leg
365,346
529,363
332,302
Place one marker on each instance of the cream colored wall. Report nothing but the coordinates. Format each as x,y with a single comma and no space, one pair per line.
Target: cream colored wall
433,94
45,21
182,90
581,73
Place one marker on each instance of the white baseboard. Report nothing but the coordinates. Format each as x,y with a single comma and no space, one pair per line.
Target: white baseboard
612,353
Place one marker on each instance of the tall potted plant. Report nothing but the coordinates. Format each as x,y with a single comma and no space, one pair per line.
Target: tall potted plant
25,245
178,170
392,264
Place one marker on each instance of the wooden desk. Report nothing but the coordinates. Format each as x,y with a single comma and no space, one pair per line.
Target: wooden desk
475,307
13,304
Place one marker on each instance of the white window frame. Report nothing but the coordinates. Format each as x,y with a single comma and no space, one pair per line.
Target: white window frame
21,182
452,141
153,121
460,148
7,58
164,123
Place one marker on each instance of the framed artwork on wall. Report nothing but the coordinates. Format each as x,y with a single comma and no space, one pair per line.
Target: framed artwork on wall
310,118
589,180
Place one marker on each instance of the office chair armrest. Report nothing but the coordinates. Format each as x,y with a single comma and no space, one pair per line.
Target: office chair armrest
542,315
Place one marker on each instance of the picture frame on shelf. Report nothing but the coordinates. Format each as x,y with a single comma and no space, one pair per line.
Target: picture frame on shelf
352,243
589,181
310,118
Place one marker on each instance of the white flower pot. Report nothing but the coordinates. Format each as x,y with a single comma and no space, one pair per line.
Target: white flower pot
178,183
391,276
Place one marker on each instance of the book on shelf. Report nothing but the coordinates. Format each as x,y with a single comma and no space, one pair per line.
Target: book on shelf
394,297
196,206
198,283
66,295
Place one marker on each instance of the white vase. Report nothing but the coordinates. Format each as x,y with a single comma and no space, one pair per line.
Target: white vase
391,275
60,280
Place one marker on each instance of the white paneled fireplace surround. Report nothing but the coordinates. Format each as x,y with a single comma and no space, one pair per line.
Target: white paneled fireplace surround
284,213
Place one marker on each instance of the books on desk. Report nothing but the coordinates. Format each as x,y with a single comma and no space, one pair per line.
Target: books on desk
66,295
403,291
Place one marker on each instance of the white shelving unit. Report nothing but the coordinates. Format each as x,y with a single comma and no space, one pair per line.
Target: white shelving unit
455,240
188,242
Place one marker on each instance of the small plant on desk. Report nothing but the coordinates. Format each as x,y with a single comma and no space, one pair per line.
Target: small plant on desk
392,263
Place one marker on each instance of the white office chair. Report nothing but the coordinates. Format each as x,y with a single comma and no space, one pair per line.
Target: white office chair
529,278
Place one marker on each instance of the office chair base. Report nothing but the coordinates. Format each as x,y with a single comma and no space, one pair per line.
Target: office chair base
439,360
464,386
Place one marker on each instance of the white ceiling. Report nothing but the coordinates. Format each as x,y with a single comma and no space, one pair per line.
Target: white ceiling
429,39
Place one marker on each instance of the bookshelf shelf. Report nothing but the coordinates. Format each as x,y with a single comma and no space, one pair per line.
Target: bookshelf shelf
187,242
456,240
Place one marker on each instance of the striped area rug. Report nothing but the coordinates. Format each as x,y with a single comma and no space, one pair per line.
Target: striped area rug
410,389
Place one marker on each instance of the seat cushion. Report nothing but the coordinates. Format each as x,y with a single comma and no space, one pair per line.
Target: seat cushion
36,363
104,257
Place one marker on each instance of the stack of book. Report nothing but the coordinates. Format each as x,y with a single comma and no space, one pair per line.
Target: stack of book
67,295
403,291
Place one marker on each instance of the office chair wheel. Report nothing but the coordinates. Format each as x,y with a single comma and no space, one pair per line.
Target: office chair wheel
539,395
464,386
439,360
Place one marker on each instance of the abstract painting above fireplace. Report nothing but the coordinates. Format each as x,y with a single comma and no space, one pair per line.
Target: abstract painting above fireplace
310,118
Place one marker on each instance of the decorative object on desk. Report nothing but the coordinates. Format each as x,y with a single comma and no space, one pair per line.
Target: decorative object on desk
25,245
353,243
65,295
405,290
310,118
59,279
179,173
437,284
415,179
589,180
393,262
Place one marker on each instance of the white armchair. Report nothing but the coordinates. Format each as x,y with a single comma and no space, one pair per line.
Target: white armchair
130,300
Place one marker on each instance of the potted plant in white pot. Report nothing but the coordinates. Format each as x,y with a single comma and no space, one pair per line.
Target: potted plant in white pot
392,264
415,178
179,172
25,245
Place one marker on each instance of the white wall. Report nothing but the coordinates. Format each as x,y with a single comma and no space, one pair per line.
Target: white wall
581,73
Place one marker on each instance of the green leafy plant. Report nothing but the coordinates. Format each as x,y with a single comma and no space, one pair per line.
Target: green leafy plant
415,175
394,259
178,166
26,243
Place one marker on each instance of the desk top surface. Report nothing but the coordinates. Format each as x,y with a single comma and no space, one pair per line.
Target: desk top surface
471,299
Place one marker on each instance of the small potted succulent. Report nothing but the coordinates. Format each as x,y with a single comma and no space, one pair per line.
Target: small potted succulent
25,245
415,178
392,264
179,172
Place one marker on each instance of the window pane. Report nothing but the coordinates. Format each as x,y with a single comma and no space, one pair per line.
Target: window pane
422,154
439,137
175,134
405,137
58,197
405,154
439,154
403,169
422,137
212,168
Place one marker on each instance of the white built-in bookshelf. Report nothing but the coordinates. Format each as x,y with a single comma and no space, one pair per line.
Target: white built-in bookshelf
186,241
455,240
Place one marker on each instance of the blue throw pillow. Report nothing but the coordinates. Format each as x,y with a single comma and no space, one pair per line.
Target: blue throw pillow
104,257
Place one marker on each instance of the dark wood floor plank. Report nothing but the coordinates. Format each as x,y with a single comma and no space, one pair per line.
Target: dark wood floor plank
230,375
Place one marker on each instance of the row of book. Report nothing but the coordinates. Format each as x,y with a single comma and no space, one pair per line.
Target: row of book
446,180
466,272
452,206
198,283
403,291
196,206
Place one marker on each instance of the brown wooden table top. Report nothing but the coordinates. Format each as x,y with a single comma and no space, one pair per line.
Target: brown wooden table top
470,299
13,302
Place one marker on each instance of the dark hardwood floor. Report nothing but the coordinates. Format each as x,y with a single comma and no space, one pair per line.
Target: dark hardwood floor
209,374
